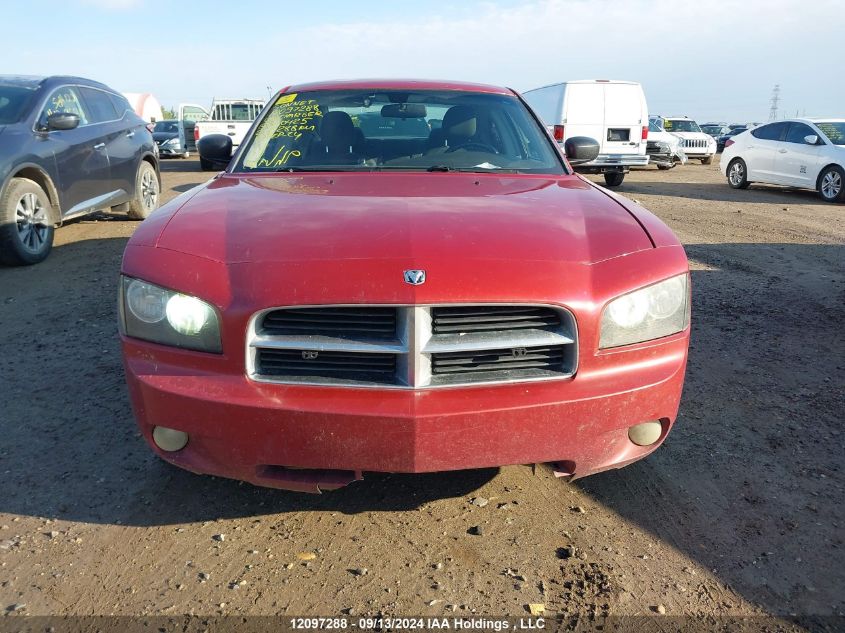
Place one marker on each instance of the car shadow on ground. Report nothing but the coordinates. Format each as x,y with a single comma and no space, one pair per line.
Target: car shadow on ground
749,483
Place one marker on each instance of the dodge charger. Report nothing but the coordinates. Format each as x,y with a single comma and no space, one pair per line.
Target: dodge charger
401,276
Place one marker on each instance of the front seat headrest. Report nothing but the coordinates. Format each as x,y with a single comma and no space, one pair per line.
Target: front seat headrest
460,124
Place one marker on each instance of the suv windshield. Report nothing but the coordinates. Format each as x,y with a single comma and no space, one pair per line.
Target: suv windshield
427,130
834,131
13,103
681,125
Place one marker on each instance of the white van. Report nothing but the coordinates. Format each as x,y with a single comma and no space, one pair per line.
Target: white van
612,112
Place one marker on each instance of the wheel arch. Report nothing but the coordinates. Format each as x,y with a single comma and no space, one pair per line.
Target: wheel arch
36,173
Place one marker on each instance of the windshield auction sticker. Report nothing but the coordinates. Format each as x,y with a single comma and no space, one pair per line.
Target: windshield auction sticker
275,141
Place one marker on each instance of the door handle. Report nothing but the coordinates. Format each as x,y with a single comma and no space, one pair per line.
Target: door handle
99,146
130,134
782,151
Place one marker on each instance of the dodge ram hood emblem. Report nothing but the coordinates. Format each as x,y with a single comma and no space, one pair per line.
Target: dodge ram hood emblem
415,277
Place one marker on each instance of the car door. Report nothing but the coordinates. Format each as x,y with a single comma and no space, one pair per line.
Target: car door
759,152
118,133
188,116
796,161
82,163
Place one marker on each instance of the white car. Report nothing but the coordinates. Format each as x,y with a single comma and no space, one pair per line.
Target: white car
808,153
697,144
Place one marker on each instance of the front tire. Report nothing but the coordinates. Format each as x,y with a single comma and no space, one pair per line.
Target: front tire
614,178
738,174
26,226
665,167
707,160
832,184
145,198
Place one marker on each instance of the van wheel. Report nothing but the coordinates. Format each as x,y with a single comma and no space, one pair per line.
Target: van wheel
738,174
665,167
206,165
707,161
832,184
145,198
613,178
26,228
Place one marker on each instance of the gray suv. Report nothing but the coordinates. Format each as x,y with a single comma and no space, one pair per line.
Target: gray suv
68,146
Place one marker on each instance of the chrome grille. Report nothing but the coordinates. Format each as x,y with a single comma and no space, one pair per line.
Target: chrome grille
411,346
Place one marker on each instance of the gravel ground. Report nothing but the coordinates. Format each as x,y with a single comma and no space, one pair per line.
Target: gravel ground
740,513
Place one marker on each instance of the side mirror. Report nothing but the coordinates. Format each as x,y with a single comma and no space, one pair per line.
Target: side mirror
62,121
581,149
811,139
216,149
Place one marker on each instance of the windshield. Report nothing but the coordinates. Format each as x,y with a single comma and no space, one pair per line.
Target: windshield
681,125
655,126
427,130
166,126
835,132
13,102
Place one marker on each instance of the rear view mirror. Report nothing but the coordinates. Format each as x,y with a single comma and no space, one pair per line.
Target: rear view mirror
403,111
62,121
811,139
216,149
581,149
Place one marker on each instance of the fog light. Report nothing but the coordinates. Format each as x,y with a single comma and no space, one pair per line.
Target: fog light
169,440
645,434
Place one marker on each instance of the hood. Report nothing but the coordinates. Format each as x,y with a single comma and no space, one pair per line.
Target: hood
158,137
441,217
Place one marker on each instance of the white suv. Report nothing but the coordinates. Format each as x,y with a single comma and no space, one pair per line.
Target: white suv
808,153
697,144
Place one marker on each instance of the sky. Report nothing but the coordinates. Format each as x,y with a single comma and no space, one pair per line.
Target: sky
715,60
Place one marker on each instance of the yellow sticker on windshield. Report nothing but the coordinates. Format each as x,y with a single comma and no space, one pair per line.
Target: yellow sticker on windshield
286,98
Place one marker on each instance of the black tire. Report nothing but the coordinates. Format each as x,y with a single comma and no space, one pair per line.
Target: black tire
147,192
707,160
613,178
206,165
831,185
738,174
665,167
26,223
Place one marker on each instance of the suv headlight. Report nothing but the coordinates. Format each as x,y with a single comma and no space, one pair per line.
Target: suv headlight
645,314
156,314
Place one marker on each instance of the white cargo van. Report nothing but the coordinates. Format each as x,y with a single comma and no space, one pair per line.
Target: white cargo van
612,112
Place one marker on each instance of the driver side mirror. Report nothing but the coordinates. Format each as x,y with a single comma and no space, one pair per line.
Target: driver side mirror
62,121
581,149
216,149
811,139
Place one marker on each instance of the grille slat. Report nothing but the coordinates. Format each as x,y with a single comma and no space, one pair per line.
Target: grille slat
351,366
449,320
548,358
374,323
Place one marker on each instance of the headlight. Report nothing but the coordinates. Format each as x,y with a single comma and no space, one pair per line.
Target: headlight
171,142
645,314
163,316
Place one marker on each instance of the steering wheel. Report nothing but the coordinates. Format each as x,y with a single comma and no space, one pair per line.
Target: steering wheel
474,145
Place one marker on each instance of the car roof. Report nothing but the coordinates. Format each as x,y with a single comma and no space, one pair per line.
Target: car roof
397,84
34,81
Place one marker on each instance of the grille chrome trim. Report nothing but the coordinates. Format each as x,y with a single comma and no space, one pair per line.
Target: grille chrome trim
414,344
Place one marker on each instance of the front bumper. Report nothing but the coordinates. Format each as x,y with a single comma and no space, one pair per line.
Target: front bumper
613,162
266,433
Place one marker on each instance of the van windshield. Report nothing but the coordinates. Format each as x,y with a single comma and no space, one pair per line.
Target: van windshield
425,130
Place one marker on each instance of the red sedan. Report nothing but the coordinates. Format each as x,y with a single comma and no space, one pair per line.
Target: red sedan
401,276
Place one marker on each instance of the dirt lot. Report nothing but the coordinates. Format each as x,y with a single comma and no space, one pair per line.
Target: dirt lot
742,512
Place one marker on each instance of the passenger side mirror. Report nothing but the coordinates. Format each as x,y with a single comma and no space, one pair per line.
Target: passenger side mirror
216,149
62,121
811,139
581,149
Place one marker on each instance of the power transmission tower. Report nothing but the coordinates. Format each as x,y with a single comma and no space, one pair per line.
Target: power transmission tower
773,111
